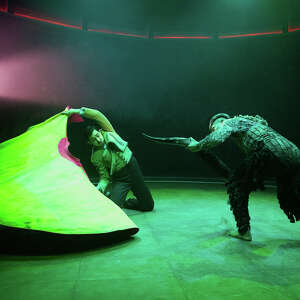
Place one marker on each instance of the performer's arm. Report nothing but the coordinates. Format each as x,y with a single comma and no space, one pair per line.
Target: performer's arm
212,140
97,116
102,184
92,114
103,174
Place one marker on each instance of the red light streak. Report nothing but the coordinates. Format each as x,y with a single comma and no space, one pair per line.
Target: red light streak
183,37
118,33
105,31
46,20
249,34
293,29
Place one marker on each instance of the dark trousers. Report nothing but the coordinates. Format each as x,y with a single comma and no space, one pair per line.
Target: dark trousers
131,178
238,189
245,179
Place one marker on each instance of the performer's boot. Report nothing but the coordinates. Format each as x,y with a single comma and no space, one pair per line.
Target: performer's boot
131,203
246,236
135,204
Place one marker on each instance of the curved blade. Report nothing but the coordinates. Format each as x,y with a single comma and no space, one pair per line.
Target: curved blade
176,141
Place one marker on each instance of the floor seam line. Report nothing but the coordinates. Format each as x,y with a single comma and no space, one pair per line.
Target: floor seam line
77,279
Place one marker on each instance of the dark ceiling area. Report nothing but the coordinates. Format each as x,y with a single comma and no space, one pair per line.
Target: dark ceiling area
150,17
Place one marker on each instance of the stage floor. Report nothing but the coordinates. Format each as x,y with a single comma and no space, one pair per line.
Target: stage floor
180,252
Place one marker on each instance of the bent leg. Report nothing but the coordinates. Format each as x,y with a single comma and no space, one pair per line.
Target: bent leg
238,189
119,191
238,200
144,200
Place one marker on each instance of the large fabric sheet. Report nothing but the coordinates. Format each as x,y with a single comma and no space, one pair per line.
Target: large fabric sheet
41,189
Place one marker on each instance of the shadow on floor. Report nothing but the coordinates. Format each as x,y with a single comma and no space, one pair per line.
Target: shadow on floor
17,241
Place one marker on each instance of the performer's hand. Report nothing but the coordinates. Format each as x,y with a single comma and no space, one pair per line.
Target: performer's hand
100,188
193,145
69,112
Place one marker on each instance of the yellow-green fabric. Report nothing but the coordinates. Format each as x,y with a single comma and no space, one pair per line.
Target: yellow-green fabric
41,190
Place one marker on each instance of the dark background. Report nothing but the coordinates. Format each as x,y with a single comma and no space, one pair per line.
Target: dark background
164,87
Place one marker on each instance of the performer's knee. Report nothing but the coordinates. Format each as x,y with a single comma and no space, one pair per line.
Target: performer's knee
148,207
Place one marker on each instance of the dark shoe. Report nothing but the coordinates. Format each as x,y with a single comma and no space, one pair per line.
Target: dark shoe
131,203
246,236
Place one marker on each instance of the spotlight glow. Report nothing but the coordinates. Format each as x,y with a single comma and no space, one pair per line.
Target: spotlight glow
34,76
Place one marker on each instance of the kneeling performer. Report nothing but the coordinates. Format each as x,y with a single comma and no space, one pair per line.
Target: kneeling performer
118,168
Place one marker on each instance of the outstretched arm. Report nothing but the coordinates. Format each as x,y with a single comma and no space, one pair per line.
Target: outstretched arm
97,116
212,140
92,114
104,179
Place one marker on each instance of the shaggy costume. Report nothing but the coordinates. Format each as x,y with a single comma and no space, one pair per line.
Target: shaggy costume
267,153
